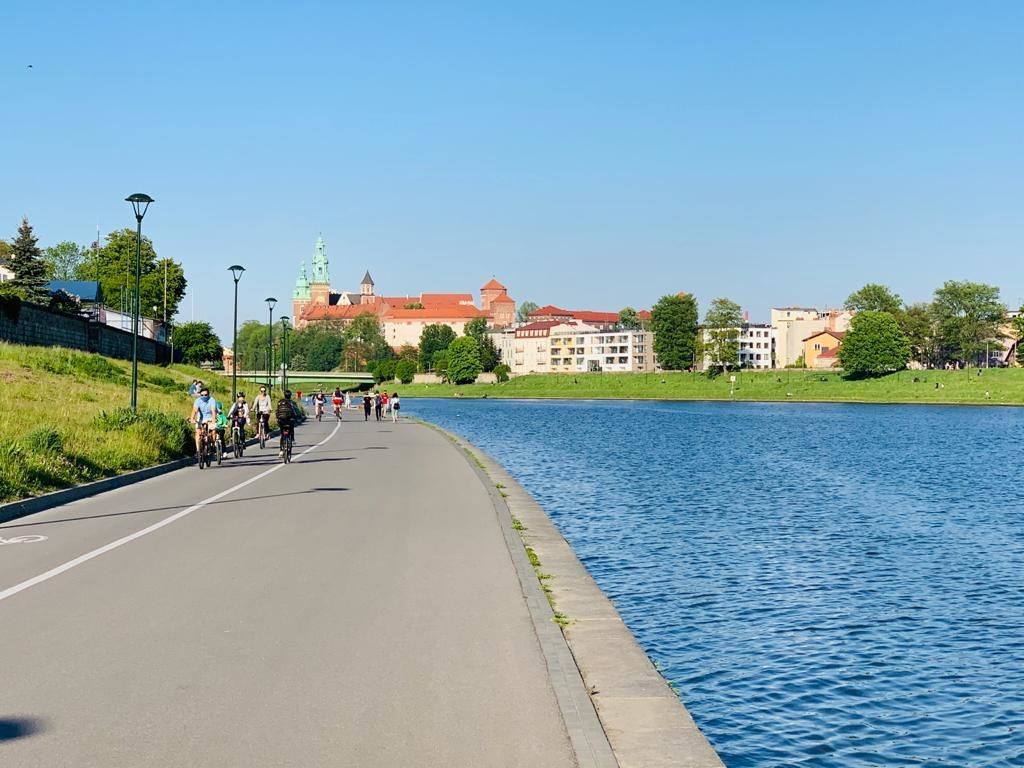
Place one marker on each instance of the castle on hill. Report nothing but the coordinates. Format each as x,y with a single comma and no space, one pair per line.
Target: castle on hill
402,318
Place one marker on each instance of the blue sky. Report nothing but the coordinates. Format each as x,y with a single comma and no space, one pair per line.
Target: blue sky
593,155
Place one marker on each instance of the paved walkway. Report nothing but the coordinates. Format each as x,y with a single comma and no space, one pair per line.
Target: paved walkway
355,608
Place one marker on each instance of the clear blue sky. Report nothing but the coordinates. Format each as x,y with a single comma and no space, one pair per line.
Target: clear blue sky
587,154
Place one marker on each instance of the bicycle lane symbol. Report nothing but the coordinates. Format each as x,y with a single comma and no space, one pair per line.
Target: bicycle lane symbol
30,539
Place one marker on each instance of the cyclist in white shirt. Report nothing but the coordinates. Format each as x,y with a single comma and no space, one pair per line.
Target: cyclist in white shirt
262,406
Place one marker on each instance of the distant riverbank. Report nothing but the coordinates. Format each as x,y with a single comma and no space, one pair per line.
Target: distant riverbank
994,386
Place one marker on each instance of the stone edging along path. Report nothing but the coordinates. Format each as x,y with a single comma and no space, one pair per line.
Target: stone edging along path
643,719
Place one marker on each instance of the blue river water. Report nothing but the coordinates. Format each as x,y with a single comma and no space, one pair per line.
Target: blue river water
825,585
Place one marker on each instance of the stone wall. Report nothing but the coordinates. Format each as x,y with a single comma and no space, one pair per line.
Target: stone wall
38,326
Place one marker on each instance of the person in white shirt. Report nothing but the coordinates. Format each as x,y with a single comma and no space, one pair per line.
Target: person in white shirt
262,406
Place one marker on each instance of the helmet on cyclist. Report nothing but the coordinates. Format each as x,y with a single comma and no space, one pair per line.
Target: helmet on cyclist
287,394
240,396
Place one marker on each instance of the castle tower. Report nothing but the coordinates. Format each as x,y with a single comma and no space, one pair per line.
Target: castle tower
300,296
494,300
366,290
320,285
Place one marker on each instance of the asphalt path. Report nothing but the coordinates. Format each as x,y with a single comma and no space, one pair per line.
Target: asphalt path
357,607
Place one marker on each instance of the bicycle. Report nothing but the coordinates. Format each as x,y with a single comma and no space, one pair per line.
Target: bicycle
237,438
319,411
261,429
203,448
337,410
286,443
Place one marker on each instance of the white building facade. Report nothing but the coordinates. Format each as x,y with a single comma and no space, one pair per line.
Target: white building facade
791,325
555,347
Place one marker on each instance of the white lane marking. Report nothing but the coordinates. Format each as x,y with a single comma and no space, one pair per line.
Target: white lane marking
31,539
11,591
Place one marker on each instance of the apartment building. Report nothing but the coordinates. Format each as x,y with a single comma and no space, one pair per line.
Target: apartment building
756,346
792,325
553,346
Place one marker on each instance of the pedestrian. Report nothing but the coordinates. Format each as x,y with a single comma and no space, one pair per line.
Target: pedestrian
348,399
376,405
192,391
384,403
395,405
367,404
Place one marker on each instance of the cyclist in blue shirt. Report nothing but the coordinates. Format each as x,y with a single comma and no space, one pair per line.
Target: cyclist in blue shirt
204,411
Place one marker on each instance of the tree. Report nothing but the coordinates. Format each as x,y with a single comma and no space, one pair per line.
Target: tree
63,260
440,363
322,346
629,319
198,343
874,345
874,298
918,326
477,329
26,261
674,322
5,253
364,340
463,360
409,352
501,372
405,370
113,266
722,333
383,370
252,346
967,318
523,313
434,338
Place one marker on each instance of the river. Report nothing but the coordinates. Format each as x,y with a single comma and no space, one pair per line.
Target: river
825,585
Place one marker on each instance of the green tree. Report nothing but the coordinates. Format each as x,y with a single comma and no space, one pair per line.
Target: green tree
383,370
464,360
967,318
113,265
252,346
501,372
524,310
874,345
918,326
198,343
5,253
409,352
63,260
722,333
477,329
405,370
629,319
439,363
434,338
874,298
674,322
26,261
364,341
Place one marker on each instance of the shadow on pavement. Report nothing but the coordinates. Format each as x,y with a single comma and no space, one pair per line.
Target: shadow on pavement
169,509
19,727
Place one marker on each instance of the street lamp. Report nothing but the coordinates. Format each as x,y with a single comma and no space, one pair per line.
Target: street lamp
271,303
236,272
284,352
140,204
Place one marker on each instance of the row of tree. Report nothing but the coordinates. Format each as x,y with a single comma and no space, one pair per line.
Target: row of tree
111,263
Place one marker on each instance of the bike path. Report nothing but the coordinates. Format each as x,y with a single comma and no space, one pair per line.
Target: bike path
355,608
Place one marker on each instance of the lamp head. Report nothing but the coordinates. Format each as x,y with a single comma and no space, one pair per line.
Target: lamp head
236,271
271,302
140,204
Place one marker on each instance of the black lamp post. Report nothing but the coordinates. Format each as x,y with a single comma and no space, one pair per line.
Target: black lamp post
284,351
271,303
236,272
140,204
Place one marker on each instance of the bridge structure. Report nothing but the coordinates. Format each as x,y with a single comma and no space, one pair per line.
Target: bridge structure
307,380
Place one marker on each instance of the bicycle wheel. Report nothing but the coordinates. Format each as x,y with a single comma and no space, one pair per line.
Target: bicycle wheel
218,450
263,436
236,443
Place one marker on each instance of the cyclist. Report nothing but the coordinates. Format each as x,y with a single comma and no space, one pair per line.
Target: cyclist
337,401
262,406
239,414
319,400
285,413
222,423
204,411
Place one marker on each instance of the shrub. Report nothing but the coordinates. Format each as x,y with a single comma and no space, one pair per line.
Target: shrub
405,370
502,371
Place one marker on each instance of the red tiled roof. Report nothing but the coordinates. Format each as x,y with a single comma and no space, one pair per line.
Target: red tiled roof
446,298
596,317
540,325
435,312
493,285
503,299
829,353
643,314
341,312
550,309
834,334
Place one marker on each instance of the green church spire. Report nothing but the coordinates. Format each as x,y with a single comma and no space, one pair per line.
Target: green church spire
302,284
320,274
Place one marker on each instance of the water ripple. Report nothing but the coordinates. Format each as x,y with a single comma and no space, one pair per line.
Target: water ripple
826,585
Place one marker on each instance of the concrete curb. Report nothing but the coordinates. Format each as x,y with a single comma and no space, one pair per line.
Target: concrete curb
12,510
644,721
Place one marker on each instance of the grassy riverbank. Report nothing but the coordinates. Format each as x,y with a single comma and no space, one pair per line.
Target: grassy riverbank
995,386
64,418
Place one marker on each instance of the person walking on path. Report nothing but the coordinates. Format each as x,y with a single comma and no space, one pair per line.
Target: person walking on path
367,404
395,405
384,403
376,405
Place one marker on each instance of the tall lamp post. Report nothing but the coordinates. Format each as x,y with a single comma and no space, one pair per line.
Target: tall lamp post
271,303
140,204
284,351
236,272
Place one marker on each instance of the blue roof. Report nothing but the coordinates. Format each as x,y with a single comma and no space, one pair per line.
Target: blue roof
86,290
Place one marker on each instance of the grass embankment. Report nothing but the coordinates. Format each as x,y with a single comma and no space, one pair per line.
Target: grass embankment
64,417
995,386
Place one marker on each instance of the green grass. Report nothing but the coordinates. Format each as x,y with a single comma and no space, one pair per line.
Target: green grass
995,386
64,417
